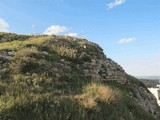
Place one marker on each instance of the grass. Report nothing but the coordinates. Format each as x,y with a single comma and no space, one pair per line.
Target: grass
42,82
15,45
28,104
94,93
26,52
64,51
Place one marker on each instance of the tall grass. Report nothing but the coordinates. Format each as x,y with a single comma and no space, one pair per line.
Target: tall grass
64,51
93,93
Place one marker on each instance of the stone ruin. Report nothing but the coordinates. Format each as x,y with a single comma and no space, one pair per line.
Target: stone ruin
102,68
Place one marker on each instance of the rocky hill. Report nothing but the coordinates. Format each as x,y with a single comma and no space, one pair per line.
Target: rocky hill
67,78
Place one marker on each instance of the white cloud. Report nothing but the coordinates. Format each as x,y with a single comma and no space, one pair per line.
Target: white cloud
115,3
3,25
126,40
72,34
55,29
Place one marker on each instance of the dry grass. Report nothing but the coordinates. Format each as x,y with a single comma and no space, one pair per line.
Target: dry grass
26,52
107,94
86,100
96,92
64,51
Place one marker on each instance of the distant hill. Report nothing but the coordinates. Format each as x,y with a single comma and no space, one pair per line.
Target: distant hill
149,77
66,78
150,82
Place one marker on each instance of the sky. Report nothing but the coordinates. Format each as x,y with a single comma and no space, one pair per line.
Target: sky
127,30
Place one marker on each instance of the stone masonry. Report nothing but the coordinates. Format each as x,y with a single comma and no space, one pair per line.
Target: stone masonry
102,68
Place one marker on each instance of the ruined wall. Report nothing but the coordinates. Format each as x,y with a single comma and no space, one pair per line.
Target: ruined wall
101,68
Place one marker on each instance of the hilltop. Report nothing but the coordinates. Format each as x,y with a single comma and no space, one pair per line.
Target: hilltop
66,78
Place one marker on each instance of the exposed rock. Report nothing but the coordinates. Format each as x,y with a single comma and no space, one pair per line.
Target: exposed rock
45,53
34,75
11,53
143,97
62,60
103,69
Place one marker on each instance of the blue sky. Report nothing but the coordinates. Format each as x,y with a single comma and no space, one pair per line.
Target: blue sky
127,30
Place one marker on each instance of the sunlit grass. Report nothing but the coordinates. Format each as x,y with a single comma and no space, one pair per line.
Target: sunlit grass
26,52
64,51
15,45
94,92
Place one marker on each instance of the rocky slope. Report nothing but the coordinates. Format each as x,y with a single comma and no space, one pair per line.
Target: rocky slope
69,76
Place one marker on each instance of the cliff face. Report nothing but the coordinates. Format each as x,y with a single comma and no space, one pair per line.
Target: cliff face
51,69
101,68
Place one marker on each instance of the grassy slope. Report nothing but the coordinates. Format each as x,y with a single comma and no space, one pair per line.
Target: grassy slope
37,84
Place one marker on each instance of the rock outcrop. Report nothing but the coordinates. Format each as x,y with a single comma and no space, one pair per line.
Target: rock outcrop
101,68
143,97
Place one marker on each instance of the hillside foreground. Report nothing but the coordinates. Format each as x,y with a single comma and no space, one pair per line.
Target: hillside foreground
66,78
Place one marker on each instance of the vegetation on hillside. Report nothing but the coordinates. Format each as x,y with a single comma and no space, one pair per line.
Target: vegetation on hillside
39,80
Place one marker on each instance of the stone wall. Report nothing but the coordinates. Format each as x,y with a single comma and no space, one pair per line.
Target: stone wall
101,68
